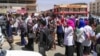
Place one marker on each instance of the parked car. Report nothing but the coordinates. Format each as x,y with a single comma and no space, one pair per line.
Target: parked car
18,53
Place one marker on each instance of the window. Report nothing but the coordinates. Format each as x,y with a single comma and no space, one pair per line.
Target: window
70,9
3,6
13,1
67,9
21,1
28,2
3,1
17,1
31,8
82,9
58,9
76,9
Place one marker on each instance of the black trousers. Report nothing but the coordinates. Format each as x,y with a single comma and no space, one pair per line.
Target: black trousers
60,38
86,50
69,51
98,54
42,50
30,44
79,48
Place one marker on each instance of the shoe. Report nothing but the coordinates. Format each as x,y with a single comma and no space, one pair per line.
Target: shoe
29,48
26,46
11,48
62,45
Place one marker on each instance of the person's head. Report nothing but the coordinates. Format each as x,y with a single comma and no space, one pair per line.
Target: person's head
70,23
76,23
9,15
32,15
26,15
43,15
76,16
23,17
81,23
86,22
91,21
53,16
81,19
94,25
42,23
62,16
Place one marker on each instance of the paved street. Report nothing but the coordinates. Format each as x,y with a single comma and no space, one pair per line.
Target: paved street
58,52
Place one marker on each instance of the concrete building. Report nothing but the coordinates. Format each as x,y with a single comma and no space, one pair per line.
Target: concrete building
80,9
95,7
30,5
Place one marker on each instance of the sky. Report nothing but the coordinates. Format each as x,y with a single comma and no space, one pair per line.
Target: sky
43,5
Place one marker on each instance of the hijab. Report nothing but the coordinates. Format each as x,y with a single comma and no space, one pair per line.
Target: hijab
73,19
81,23
70,23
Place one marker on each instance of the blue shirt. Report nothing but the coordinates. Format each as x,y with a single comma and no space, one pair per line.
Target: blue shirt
59,29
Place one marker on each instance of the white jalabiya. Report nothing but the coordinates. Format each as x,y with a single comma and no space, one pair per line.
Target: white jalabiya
68,36
80,35
88,29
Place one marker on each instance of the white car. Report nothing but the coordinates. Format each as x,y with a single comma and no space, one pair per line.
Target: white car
19,53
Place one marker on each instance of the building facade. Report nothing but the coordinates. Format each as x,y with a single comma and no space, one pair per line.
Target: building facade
30,5
95,7
72,9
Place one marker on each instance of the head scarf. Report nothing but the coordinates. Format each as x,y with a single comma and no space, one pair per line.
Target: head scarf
73,19
81,23
70,23
81,19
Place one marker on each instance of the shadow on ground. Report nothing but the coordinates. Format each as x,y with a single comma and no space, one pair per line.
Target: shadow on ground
58,54
18,43
23,48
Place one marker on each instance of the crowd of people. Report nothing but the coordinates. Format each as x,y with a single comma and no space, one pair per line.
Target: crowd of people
76,34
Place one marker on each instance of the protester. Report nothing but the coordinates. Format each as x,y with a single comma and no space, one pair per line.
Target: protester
9,31
30,33
52,27
23,28
15,26
89,34
80,37
68,38
97,41
59,32
43,37
44,28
